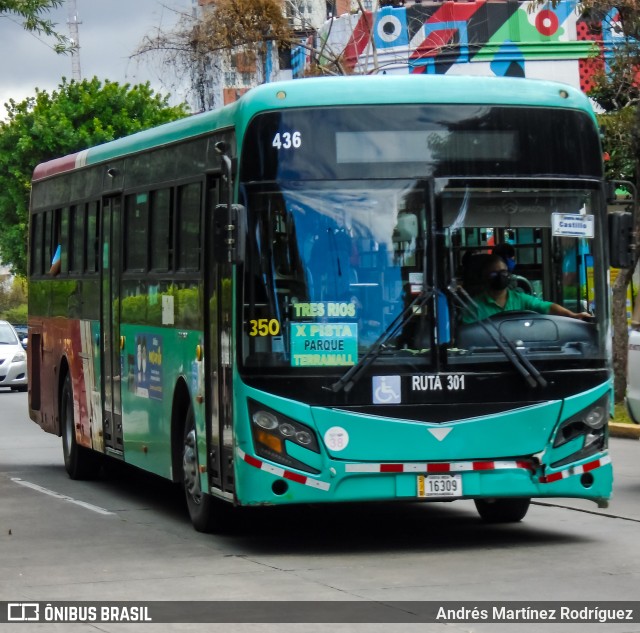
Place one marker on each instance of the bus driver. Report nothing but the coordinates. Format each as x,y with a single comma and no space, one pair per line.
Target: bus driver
497,297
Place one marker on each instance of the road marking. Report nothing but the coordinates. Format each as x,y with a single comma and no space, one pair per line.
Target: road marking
57,495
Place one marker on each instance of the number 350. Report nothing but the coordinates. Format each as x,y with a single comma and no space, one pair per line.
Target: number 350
264,327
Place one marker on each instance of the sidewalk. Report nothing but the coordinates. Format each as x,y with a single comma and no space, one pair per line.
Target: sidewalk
631,431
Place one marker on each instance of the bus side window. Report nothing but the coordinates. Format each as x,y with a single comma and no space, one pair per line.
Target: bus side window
189,200
36,244
161,230
63,240
137,225
48,251
76,241
92,238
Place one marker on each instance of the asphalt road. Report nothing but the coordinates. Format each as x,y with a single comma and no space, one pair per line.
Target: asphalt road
127,537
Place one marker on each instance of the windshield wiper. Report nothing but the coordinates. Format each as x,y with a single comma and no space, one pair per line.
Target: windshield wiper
353,374
503,343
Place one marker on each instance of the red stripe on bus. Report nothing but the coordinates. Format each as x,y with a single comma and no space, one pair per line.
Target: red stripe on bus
55,166
252,461
438,468
294,477
391,468
484,466
551,478
591,466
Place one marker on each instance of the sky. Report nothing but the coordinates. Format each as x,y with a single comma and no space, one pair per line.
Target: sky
109,33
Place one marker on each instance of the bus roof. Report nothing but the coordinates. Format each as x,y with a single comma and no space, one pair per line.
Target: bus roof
326,92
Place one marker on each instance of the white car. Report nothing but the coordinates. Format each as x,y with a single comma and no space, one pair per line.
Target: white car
633,376
13,359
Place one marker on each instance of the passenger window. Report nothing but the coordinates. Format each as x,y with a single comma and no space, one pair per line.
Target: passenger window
161,230
92,237
136,245
64,240
36,244
76,241
189,227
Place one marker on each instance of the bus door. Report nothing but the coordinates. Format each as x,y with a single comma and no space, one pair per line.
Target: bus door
218,332
110,363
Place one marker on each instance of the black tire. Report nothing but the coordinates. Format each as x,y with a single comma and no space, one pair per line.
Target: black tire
502,510
207,513
79,462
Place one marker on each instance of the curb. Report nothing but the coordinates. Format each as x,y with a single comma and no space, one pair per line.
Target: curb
631,431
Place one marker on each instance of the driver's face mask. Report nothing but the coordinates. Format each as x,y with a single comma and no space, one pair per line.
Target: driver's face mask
499,279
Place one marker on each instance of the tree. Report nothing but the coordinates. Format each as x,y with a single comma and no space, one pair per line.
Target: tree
203,42
32,14
617,92
13,300
201,45
76,116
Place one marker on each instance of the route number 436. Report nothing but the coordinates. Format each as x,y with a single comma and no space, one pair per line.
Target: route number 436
287,140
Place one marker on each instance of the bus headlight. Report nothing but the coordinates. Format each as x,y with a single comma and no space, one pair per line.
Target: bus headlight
588,427
265,420
304,438
287,430
272,430
597,417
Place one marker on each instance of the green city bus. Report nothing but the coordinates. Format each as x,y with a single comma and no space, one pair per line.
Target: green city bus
274,303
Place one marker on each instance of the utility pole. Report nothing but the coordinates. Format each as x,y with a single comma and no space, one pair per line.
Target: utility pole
74,37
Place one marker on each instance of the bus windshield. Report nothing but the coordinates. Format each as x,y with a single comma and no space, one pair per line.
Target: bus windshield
332,266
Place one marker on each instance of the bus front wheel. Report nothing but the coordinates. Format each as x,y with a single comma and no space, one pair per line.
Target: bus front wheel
502,510
206,512
79,462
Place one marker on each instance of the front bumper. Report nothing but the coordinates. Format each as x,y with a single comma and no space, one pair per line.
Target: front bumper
266,483
13,374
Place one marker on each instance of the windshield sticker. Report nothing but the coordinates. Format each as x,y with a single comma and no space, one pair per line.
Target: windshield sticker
148,367
572,225
324,344
416,283
330,309
386,390
336,439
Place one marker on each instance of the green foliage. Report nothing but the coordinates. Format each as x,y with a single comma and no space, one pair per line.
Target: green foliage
16,315
76,116
13,300
147,308
619,142
31,11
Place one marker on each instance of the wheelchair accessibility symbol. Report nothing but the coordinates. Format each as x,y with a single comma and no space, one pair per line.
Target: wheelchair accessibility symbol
386,390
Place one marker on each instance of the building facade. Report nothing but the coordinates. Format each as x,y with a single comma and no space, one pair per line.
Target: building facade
476,37
471,37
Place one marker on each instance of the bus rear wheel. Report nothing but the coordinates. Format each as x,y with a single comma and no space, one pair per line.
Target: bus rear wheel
502,510
206,512
79,462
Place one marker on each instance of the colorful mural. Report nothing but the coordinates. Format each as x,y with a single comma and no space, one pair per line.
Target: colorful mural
499,38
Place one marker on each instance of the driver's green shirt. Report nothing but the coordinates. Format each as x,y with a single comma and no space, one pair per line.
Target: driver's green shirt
516,300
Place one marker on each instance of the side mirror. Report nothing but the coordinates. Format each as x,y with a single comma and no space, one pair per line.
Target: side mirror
230,233
621,239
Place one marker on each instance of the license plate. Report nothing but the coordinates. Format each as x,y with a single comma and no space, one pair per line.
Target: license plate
439,485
